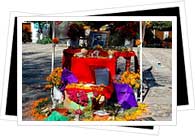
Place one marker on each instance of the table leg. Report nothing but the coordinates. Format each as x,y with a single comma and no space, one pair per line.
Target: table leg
128,61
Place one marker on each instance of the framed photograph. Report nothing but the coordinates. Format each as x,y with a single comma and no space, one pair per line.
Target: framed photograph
98,38
75,118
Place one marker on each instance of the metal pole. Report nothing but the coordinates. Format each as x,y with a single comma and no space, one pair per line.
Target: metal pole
53,57
53,47
53,29
140,59
53,63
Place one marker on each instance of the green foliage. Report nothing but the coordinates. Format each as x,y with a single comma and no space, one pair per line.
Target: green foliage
87,115
162,25
61,105
45,40
116,40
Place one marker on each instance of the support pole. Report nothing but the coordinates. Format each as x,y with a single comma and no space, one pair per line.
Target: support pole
53,57
140,59
53,29
53,64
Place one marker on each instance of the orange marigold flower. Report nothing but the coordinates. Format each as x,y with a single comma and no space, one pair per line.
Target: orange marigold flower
55,40
47,87
35,112
55,77
137,42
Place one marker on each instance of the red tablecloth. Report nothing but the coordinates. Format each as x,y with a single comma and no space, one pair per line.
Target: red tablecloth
128,56
67,56
83,68
125,54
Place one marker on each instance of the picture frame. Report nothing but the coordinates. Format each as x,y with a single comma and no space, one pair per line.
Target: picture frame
98,38
142,123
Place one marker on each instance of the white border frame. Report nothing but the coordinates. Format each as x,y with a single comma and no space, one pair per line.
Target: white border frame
90,18
111,10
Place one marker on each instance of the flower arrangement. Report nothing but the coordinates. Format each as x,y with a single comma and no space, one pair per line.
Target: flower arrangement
131,78
133,113
121,31
55,40
128,30
81,86
54,79
128,115
75,31
37,108
80,97
40,112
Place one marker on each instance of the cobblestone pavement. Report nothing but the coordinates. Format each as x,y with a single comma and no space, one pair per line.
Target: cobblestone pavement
37,65
159,97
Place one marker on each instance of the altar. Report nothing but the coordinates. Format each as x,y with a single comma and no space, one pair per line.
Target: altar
90,82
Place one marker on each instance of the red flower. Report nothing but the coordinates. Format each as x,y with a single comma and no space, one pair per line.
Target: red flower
79,112
128,30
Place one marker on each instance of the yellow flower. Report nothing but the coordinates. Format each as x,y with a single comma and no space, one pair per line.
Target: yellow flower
133,117
137,85
120,119
138,113
138,76
133,81
142,106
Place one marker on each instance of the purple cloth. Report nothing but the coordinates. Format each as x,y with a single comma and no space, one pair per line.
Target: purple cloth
125,95
67,78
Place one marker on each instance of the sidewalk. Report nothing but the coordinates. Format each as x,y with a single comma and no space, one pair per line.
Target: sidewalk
159,97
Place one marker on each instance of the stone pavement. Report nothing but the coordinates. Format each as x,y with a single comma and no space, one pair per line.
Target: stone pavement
37,65
159,97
